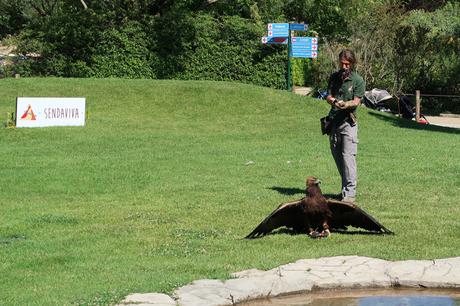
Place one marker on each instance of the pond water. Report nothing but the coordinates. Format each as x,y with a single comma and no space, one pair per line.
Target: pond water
367,297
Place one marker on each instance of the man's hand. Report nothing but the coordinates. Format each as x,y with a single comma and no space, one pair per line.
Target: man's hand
346,104
331,100
334,101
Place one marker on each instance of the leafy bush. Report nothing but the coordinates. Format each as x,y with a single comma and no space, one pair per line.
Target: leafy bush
12,17
221,49
122,53
428,48
305,72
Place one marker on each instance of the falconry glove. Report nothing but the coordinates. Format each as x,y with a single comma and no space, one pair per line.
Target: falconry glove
346,104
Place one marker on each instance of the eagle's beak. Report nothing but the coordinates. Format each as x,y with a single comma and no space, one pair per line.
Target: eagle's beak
317,181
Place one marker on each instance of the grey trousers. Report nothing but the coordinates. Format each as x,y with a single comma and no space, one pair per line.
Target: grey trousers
344,147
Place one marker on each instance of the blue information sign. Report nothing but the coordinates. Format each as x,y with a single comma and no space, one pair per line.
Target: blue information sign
304,54
305,40
306,47
298,27
274,40
303,47
278,29
278,26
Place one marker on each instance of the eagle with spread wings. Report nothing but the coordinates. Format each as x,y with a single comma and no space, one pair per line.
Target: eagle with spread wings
318,215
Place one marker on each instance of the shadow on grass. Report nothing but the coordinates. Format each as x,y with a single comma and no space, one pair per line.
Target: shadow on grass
11,238
293,191
288,190
287,231
409,124
357,232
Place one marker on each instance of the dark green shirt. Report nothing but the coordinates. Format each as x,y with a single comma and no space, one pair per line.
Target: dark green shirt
348,89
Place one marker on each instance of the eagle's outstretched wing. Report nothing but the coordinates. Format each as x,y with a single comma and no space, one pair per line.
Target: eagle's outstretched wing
347,214
287,214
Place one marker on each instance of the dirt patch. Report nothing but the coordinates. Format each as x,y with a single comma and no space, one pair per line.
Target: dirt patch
452,121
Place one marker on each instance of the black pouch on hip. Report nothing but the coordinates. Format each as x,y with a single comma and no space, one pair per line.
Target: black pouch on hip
326,125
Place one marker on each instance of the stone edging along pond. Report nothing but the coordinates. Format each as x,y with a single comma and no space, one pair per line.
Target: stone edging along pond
307,274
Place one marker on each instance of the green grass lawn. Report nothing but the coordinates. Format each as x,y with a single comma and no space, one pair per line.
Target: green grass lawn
157,191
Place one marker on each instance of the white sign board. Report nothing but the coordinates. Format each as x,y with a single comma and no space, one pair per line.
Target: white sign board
41,112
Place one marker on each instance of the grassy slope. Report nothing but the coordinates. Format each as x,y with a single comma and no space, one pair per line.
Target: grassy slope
154,192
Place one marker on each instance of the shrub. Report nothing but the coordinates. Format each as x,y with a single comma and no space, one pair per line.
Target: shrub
121,52
202,47
428,48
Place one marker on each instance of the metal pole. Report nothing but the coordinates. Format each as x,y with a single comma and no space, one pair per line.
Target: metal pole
417,105
289,63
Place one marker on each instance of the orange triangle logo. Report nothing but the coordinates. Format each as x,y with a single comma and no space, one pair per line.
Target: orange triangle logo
29,114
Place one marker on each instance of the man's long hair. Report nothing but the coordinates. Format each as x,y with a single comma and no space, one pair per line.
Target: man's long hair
349,55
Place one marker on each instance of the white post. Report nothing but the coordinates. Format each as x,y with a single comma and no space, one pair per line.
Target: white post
417,105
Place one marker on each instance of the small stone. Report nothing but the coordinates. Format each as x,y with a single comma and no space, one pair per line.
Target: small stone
156,299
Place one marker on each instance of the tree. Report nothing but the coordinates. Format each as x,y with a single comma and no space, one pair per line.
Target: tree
13,17
428,47
373,36
428,5
326,17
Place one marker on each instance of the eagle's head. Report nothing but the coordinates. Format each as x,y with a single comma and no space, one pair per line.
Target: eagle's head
312,181
313,189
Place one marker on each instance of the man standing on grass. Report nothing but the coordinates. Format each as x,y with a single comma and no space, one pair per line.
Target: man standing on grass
345,90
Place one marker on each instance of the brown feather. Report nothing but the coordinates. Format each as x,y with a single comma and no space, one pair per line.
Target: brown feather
313,211
302,215
346,214
286,214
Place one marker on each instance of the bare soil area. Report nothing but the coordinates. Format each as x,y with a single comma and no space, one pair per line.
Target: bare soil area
452,121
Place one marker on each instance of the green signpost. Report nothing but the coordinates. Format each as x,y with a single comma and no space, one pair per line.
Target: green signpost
289,79
298,47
